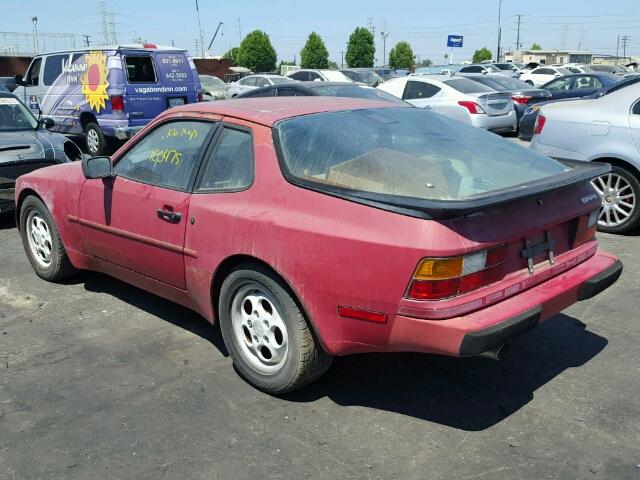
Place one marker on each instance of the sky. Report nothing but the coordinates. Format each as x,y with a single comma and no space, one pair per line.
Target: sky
592,25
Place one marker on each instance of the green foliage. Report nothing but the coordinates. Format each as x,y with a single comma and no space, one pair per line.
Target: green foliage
481,55
232,54
256,52
536,46
314,54
401,56
333,65
360,49
425,63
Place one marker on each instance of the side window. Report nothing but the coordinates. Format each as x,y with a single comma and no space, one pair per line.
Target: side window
417,90
560,84
289,92
258,93
167,156
262,82
636,108
33,75
297,75
53,68
587,82
230,166
140,69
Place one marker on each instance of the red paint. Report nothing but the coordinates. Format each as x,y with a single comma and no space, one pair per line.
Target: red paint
330,251
93,75
359,314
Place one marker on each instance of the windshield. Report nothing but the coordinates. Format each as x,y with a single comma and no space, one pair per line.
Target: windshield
279,80
14,116
406,152
509,83
564,71
211,81
335,76
492,69
353,91
465,85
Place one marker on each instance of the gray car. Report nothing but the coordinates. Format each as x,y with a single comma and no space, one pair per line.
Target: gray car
605,129
213,88
26,145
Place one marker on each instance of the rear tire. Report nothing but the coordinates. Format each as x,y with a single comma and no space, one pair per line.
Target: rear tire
94,140
42,242
620,192
266,332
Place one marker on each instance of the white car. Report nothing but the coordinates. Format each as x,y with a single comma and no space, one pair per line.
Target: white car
541,75
309,75
254,81
458,98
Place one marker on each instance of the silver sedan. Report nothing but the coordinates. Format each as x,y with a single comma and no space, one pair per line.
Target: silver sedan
605,129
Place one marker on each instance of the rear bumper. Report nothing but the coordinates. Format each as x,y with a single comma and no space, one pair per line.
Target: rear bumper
124,133
494,325
499,123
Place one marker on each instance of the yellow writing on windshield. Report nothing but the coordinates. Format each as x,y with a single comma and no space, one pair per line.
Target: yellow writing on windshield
189,133
166,155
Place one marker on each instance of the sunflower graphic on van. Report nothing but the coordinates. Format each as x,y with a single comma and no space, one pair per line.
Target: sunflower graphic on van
94,80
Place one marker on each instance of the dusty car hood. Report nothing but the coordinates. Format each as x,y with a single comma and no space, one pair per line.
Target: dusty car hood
30,145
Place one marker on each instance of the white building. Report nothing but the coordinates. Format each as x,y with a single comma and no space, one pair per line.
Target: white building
548,57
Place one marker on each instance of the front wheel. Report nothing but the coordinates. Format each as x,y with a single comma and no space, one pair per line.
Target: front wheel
266,333
42,242
620,192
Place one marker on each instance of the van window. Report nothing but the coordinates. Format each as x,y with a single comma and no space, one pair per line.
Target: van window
53,68
33,75
140,69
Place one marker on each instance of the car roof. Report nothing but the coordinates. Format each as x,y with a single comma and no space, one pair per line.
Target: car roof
269,110
312,84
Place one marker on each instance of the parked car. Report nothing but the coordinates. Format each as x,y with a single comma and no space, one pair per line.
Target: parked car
8,83
541,75
579,85
522,94
107,93
307,75
613,69
604,129
255,81
323,246
26,145
213,88
457,97
386,73
484,69
326,89
528,120
509,67
577,67
363,75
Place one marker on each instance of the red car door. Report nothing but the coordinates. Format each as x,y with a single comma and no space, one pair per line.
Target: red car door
137,220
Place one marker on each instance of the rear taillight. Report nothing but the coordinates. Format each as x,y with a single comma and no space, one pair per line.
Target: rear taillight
117,103
437,278
586,230
149,45
521,99
540,121
473,107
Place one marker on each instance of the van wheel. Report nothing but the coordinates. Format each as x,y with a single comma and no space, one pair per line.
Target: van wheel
94,140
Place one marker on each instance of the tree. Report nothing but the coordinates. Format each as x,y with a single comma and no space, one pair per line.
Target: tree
256,52
536,46
360,49
481,55
334,65
401,56
425,63
314,54
232,54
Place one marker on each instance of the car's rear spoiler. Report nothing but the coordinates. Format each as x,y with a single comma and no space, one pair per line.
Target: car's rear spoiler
446,209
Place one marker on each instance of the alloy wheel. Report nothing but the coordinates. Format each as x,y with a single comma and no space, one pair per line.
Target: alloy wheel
618,199
39,237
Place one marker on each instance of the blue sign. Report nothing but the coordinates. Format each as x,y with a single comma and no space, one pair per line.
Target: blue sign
454,41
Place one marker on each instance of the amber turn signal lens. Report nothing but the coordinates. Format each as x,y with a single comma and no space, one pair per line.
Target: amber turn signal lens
439,268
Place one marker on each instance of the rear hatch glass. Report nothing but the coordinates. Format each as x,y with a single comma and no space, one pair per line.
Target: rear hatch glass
413,159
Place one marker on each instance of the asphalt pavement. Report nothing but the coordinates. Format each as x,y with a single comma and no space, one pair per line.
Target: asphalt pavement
100,380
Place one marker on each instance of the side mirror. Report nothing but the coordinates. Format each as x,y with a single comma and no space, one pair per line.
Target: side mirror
97,167
47,123
20,80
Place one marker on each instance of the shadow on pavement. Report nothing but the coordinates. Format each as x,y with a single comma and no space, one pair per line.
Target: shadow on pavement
171,312
469,394
7,221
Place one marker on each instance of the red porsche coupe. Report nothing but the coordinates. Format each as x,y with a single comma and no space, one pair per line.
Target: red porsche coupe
312,227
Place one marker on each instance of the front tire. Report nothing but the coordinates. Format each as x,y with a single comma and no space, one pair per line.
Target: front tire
94,140
620,192
266,332
42,242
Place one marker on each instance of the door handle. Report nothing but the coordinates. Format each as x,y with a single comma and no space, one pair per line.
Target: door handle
169,216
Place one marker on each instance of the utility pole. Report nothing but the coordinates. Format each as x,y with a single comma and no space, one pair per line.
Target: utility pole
625,41
384,47
518,36
341,58
617,51
239,33
112,28
499,30
36,46
200,30
103,23
86,37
